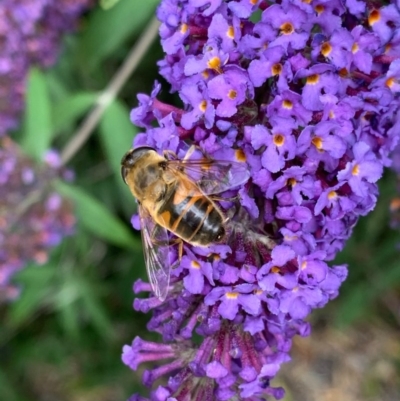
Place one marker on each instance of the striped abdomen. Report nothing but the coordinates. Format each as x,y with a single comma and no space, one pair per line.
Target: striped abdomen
196,219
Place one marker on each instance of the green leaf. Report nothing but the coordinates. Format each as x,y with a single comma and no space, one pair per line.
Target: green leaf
69,319
68,111
57,87
38,129
388,278
96,311
35,282
66,301
256,16
96,218
7,387
354,305
107,4
117,133
107,30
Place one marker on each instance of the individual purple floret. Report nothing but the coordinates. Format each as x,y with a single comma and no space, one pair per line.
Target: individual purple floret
33,216
30,34
308,94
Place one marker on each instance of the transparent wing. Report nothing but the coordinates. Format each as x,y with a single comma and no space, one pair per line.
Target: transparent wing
212,176
156,248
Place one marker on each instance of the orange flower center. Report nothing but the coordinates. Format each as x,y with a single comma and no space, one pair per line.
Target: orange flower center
232,94
184,28
374,17
215,257
312,79
355,170
215,64
390,82
276,69
332,195
203,105
240,155
279,139
287,104
317,142
326,49
287,28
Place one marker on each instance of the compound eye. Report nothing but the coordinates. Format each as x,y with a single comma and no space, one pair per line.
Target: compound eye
133,155
124,172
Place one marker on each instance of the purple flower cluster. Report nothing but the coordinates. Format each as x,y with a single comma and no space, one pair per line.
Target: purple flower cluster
30,34
33,217
308,93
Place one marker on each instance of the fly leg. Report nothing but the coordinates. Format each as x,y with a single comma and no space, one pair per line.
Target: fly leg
180,250
168,243
170,155
231,211
222,199
179,242
190,152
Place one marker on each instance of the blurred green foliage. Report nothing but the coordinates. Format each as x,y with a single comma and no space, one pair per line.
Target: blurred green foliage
63,338
372,290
